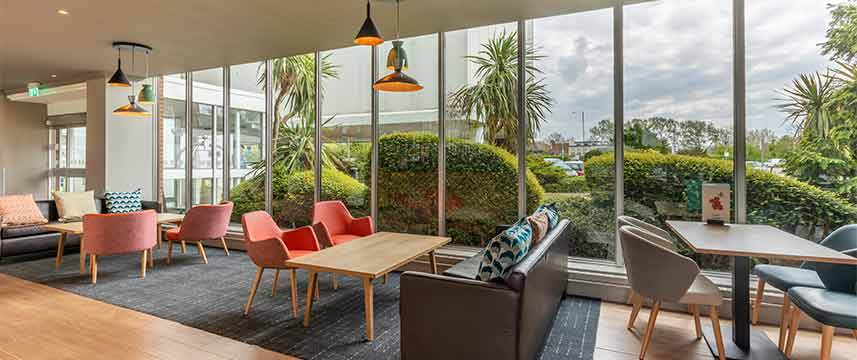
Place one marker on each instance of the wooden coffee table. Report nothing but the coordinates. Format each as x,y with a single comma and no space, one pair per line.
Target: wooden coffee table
367,258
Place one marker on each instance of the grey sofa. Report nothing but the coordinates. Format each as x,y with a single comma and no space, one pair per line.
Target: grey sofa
23,240
453,316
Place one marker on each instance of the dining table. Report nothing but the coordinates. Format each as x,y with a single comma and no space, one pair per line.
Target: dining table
741,242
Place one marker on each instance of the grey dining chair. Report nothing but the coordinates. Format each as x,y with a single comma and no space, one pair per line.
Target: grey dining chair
663,238
661,274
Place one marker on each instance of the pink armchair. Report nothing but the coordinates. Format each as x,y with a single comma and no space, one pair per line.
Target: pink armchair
334,225
202,222
110,234
269,248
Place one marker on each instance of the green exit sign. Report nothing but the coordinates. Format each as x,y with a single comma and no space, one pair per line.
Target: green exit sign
34,91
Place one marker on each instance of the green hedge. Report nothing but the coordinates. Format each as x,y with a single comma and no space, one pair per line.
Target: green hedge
568,184
481,187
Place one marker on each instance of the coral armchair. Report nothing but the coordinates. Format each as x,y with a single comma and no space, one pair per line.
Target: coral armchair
334,225
203,222
110,234
269,247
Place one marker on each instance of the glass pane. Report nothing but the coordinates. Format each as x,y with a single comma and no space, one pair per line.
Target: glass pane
207,137
678,112
346,130
173,136
294,139
800,141
571,154
246,136
481,165
77,148
62,154
407,169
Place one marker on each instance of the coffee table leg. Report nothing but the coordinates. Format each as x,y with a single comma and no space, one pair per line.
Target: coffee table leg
310,290
60,248
160,236
433,262
82,255
369,304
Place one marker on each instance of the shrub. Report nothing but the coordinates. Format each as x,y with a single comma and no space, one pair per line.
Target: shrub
568,184
481,187
544,171
590,226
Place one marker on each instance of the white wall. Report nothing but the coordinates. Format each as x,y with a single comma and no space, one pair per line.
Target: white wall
67,107
24,147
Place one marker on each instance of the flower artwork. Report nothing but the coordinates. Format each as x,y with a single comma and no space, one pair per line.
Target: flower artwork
716,202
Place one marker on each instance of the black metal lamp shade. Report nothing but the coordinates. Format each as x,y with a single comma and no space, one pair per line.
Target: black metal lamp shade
368,34
119,78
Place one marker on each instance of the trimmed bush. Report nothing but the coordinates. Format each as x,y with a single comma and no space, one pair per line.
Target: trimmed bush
591,226
481,187
568,184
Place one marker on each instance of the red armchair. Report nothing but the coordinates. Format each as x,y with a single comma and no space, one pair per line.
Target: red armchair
334,225
202,222
269,248
110,234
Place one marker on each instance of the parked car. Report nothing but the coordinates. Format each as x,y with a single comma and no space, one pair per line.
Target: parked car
569,171
755,165
577,166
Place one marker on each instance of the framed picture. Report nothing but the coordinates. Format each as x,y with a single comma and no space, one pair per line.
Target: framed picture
716,199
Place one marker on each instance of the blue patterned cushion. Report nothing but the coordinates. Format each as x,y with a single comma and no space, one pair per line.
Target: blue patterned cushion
123,201
504,251
551,211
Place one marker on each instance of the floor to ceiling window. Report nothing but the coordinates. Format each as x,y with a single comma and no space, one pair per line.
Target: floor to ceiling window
246,138
570,96
172,95
678,109
346,127
207,139
68,158
407,169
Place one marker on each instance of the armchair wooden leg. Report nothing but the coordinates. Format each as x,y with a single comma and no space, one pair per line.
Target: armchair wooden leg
293,285
650,328
143,263
695,309
276,280
793,325
637,303
718,336
631,295
184,247
93,268
152,258
757,305
316,287
225,248
169,251
335,282
854,332
785,312
201,251
253,288
826,341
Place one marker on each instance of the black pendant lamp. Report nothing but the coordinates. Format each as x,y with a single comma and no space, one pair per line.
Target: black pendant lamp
397,81
368,34
119,78
132,108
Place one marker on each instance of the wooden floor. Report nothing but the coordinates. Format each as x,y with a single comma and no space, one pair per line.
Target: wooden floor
40,322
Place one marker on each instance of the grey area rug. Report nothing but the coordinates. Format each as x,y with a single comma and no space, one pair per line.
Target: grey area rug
212,297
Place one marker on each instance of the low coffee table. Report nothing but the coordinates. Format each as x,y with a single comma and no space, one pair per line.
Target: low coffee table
367,258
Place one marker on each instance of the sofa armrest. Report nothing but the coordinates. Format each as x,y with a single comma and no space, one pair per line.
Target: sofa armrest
151,205
452,318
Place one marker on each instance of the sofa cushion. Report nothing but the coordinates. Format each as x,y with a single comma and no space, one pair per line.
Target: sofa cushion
540,223
825,306
466,269
787,277
504,251
552,213
73,205
123,201
20,210
8,232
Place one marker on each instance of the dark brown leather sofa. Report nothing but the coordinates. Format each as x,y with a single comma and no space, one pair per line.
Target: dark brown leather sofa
23,240
452,316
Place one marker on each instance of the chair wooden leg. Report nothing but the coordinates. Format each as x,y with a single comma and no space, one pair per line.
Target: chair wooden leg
253,289
718,336
650,328
201,251
316,287
335,282
169,251
93,268
225,248
276,280
826,341
293,285
854,332
785,312
637,303
695,309
793,325
757,305
184,247
143,263
631,295
152,258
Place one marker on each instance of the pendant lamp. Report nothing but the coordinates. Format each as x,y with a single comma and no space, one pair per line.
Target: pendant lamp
397,53
397,81
368,34
132,108
119,78
147,93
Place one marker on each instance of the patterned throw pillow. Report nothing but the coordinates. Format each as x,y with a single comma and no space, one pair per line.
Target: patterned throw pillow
123,201
551,211
539,223
20,210
504,251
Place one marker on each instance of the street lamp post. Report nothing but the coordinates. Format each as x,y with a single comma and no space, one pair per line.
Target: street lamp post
582,124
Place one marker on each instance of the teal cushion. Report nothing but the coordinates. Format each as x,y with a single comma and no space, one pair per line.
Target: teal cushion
786,277
552,212
504,251
123,201
827,307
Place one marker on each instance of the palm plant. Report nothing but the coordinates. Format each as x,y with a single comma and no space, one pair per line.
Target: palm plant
493,98
807,104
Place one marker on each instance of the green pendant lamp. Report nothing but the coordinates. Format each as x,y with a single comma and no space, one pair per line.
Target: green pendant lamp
397,81
368,34
119,78
132,108
147,93
397,53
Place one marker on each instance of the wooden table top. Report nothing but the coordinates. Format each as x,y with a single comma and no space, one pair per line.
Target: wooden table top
762,241
370,256
77,227
169,218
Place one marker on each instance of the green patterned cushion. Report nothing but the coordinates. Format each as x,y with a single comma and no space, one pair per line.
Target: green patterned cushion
123,201
504,251
551,211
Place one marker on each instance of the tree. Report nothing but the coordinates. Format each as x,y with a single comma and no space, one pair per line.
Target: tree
493,98
696,136
807,104
555,138
603,131
841,34
759,139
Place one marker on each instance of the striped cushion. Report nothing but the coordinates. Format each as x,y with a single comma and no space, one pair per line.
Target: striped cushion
505,251
123,201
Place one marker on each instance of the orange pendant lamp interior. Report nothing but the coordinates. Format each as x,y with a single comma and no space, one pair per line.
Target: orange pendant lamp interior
397,81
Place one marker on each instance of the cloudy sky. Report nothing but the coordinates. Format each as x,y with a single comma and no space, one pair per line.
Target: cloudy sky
678,60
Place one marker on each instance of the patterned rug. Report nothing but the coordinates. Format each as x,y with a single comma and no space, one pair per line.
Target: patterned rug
212,297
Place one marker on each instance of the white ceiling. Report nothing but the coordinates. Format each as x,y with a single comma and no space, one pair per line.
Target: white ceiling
36,42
